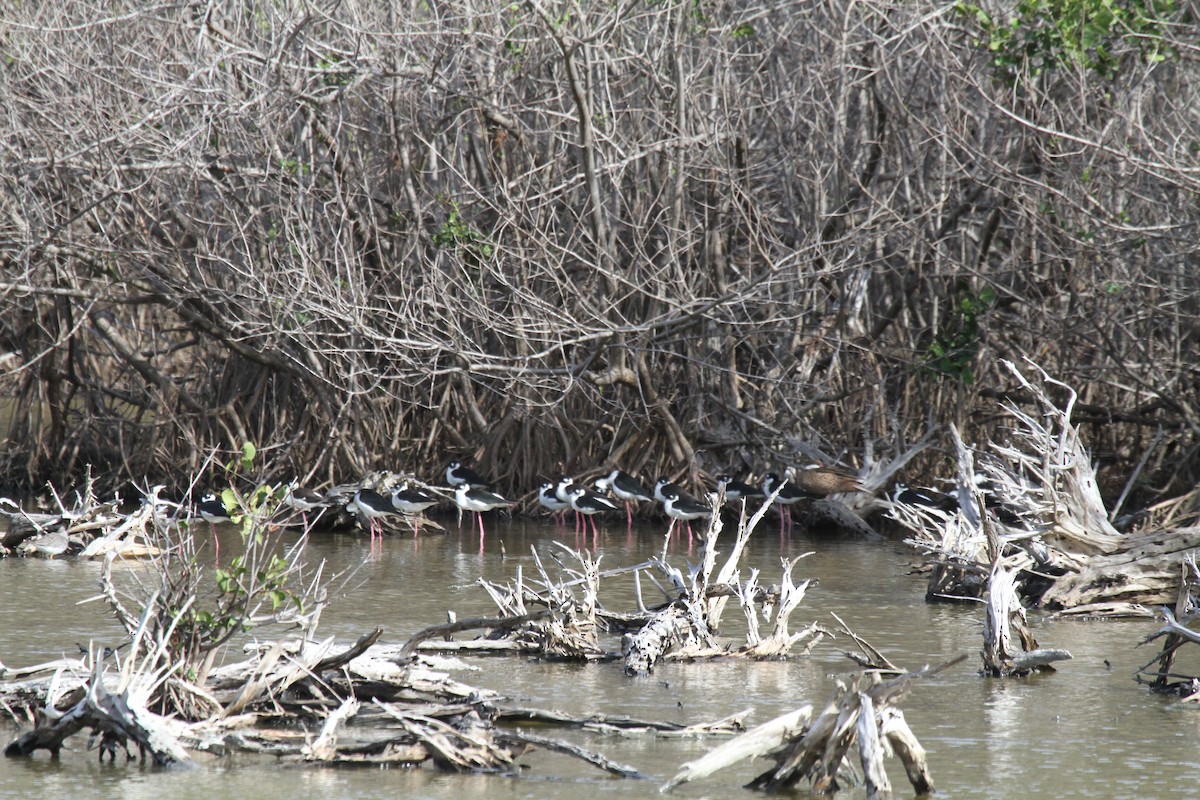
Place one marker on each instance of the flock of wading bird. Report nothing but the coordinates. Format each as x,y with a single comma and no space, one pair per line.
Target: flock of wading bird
471,492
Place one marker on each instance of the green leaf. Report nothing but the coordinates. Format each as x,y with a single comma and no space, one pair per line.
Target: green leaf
248,453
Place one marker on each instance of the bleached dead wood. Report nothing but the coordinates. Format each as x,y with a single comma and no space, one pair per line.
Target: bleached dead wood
69,527
870,751
906,747
429,716
1144,571
1035,500
818,754
757,741
781,641
116,715
861,714
684,627
1176,632
609,724
644,649
1004,617
324,747
869,656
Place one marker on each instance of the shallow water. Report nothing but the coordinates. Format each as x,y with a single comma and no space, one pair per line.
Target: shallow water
1086,731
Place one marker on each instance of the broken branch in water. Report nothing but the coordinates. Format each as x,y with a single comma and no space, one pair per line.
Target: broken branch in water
862,712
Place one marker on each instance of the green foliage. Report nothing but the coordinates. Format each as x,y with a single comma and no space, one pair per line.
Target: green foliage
239,588
1044,35
338,71
252,580
249,451
953,351
241,465
459,235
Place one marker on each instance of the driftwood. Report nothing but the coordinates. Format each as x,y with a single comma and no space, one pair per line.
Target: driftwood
75,527
1035,502
759,741
604,723
1005,616
370,709
862,715
684,626
1176,632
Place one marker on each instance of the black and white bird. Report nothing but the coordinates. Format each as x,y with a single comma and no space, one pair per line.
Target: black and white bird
302,500
549,499
372,506
664,487
562,490
457,475
789,495
928,498
589,503
627,489
478,501
412,502
683,509
737,490
212,510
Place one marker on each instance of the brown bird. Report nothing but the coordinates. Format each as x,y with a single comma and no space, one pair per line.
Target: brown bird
821,480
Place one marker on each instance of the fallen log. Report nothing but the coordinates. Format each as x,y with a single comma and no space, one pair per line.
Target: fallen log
115,717
758,741
559,746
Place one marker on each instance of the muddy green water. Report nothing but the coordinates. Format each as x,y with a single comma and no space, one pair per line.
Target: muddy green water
1088,731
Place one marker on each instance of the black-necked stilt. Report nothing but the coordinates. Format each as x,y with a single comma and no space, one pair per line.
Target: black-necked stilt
683,508
929,498
664,487
302,500
371,505
562,490
412,502
737,490
587,502
821,480
478,501
627,489
789,495
212,510
457,475
548,499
